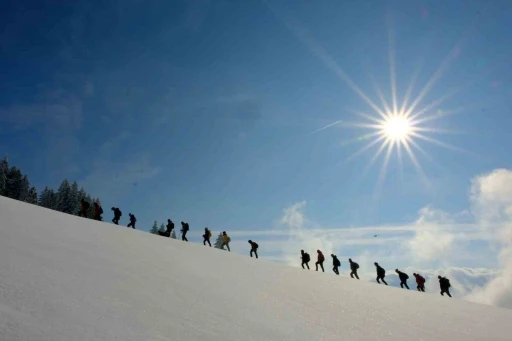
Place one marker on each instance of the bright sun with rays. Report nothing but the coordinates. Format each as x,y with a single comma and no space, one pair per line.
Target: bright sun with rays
396,128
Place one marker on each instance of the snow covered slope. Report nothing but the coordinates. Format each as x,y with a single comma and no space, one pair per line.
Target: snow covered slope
68,278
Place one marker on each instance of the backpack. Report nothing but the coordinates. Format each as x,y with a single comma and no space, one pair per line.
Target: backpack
337,262
119,212
255,245
406,276
448,285
356,265
306,257
229,239
209,234
321,257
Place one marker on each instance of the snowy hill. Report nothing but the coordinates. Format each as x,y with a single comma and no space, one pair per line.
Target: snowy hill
68,278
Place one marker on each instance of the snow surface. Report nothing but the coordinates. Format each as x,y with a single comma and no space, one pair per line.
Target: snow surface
69,278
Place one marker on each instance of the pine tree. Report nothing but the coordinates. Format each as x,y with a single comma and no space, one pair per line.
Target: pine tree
73,198
24,189
4,169
173,234
162,228
13,183
219,241
65,202
32,196
154,228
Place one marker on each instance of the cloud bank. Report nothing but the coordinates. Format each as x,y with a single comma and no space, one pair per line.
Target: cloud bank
436,242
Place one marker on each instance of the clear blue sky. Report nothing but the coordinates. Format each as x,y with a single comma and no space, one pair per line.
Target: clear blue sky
202,110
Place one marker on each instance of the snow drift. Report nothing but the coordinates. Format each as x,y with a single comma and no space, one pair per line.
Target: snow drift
68,278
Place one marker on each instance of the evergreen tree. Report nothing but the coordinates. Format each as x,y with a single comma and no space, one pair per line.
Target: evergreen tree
13,183
4,169
154,228
219,241
32,196
73,198
162,228
173,234
24,189
90,211
65,202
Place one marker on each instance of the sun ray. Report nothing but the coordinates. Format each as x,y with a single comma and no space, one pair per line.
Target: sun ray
439,143
319,51
391,55
376,156
417,165
433,79
380,94
365,148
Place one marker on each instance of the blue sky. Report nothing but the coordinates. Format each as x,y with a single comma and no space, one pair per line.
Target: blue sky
204,110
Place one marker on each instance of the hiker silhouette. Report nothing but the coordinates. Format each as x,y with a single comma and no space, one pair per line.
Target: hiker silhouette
420,282
206,236
254,248
381,273
320,260
444,284
225,241
403,278
98,211
353,268
184,230
335,264
133,220
305,258
117,215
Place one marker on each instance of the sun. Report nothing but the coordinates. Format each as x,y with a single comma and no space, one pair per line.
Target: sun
396,128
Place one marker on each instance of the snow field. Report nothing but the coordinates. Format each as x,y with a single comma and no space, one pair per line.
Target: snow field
69,278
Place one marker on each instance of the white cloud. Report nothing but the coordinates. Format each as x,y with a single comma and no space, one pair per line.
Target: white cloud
491,200
431,240
435,238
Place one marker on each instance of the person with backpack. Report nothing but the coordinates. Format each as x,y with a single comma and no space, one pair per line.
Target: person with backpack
353,268
117,215
225,241
381,273
335,264
305,258
206,236
184,230
403,278
320,260
420,281
84,207
445,285
133,220
98,211
254,248
168,231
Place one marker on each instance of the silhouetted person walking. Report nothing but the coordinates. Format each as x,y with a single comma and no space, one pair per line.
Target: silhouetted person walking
184,230
420,281
381,273
305,258
445,285
335,264
133,220
168,231
206,236
98,211
225,241
353,268
320,260
254,248
84,207
403,278
117,215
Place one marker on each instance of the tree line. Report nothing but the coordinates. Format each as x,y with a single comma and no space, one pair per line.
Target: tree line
66,199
